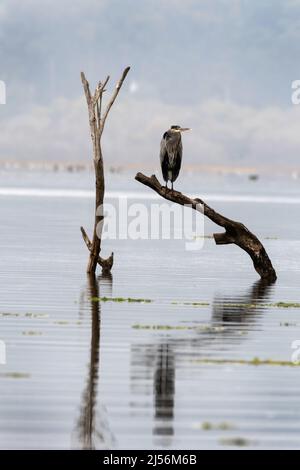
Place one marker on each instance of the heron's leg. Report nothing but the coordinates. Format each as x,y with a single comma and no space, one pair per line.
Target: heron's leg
166,185
172,187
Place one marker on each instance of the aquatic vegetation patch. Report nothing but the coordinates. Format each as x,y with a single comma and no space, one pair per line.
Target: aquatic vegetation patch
120,299
36,315
194,304
235,441
7,314
198,304
201,237
31,333
15,375
162,327
242,305
223,426
26,315
259,305
200,328
285,305
252,362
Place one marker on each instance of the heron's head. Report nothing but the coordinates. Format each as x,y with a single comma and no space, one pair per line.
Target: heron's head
180,129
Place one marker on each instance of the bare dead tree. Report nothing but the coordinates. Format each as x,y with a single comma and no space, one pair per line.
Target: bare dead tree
235,232
97,121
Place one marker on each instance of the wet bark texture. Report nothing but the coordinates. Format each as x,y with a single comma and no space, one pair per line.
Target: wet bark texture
97,122
235,232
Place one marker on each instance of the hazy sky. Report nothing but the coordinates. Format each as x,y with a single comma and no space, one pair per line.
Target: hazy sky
222,67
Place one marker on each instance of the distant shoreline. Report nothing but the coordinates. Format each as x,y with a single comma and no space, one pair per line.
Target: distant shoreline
75,167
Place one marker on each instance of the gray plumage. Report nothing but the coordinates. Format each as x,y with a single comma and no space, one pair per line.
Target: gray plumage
171,153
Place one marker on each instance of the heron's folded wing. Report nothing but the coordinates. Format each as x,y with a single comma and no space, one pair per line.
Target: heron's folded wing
164,159
177,161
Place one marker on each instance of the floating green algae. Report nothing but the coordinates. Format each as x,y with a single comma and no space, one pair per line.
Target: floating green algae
253,362
285,305
223,426
15,375
235,441
272,305
67,322
36,315
200,328
26,315
243,305
31,333
162,327
194,304
120,299
197,303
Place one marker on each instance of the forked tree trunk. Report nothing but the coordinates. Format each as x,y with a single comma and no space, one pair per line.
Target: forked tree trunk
235,232
97,123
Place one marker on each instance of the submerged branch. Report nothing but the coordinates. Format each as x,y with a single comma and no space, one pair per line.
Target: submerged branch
106,264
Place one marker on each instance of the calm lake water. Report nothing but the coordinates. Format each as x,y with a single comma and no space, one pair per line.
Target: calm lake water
164,374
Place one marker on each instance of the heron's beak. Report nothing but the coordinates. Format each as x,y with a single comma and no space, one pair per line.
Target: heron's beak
182,129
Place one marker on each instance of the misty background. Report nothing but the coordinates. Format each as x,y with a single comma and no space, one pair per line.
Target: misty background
222,67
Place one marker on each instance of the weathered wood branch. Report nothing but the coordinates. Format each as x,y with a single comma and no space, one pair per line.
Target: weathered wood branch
235,232
100,89
106,264
96,121
86,88
114,96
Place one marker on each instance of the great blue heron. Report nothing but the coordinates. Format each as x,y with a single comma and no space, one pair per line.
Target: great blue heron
171,153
